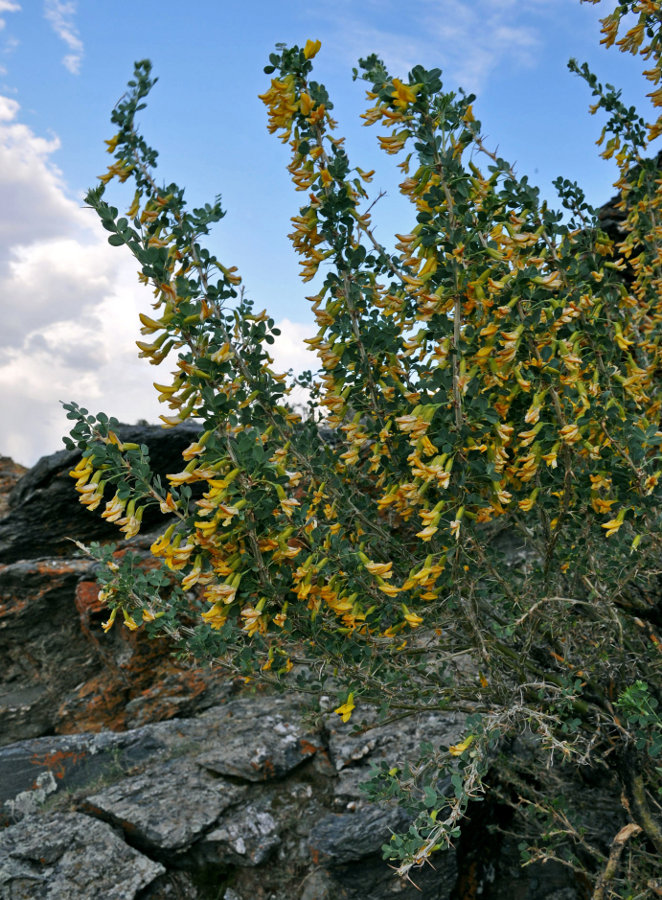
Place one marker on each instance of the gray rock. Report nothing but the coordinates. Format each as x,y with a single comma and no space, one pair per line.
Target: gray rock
353,753
39,630
246,836
30,771
174,885
262,741
61,673
317,886
66,856
345,837
396,741
374,879
166,808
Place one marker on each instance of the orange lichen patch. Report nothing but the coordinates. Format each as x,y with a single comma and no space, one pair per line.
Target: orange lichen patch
158,685
308,749
97,705
267,769
54,568
58,762
10,472
14,607
87,601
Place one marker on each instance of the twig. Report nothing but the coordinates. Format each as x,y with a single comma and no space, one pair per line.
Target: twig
617,847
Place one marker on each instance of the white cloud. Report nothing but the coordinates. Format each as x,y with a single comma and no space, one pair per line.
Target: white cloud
60,14
8,109
33,199
5,7
68,303
69,307
289,350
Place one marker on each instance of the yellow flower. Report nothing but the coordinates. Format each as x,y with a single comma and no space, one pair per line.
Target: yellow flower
253,621
129,621
184,477
613,525
389,589
193,576
114,509
383,569
311,48
403,94
570,434
215,617
345,711
108,624
167,505
163,542
427,533
553,280
217,593
527,437
458,749
602,506
306,103
504,431
288,506
411,618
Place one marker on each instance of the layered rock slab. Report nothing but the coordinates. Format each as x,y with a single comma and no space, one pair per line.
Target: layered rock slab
69,855
280,745
166,808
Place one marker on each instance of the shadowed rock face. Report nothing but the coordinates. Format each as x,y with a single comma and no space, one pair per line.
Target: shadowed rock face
10,472
41,519
60,672
125,773
288,822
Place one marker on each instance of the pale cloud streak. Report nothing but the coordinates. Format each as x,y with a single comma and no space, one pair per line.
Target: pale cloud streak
468,40
60,14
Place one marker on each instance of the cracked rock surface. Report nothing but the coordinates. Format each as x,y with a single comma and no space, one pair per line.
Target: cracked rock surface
67,855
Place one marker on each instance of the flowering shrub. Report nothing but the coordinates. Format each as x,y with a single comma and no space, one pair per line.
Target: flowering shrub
469,518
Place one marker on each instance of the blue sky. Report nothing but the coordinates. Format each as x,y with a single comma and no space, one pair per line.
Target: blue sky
69,302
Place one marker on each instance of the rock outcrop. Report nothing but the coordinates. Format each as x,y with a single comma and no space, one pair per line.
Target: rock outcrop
42,514
125,773
252,795
60,673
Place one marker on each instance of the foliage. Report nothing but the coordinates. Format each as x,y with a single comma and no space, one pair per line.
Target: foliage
469,518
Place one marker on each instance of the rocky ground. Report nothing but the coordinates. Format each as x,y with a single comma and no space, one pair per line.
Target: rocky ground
125,773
